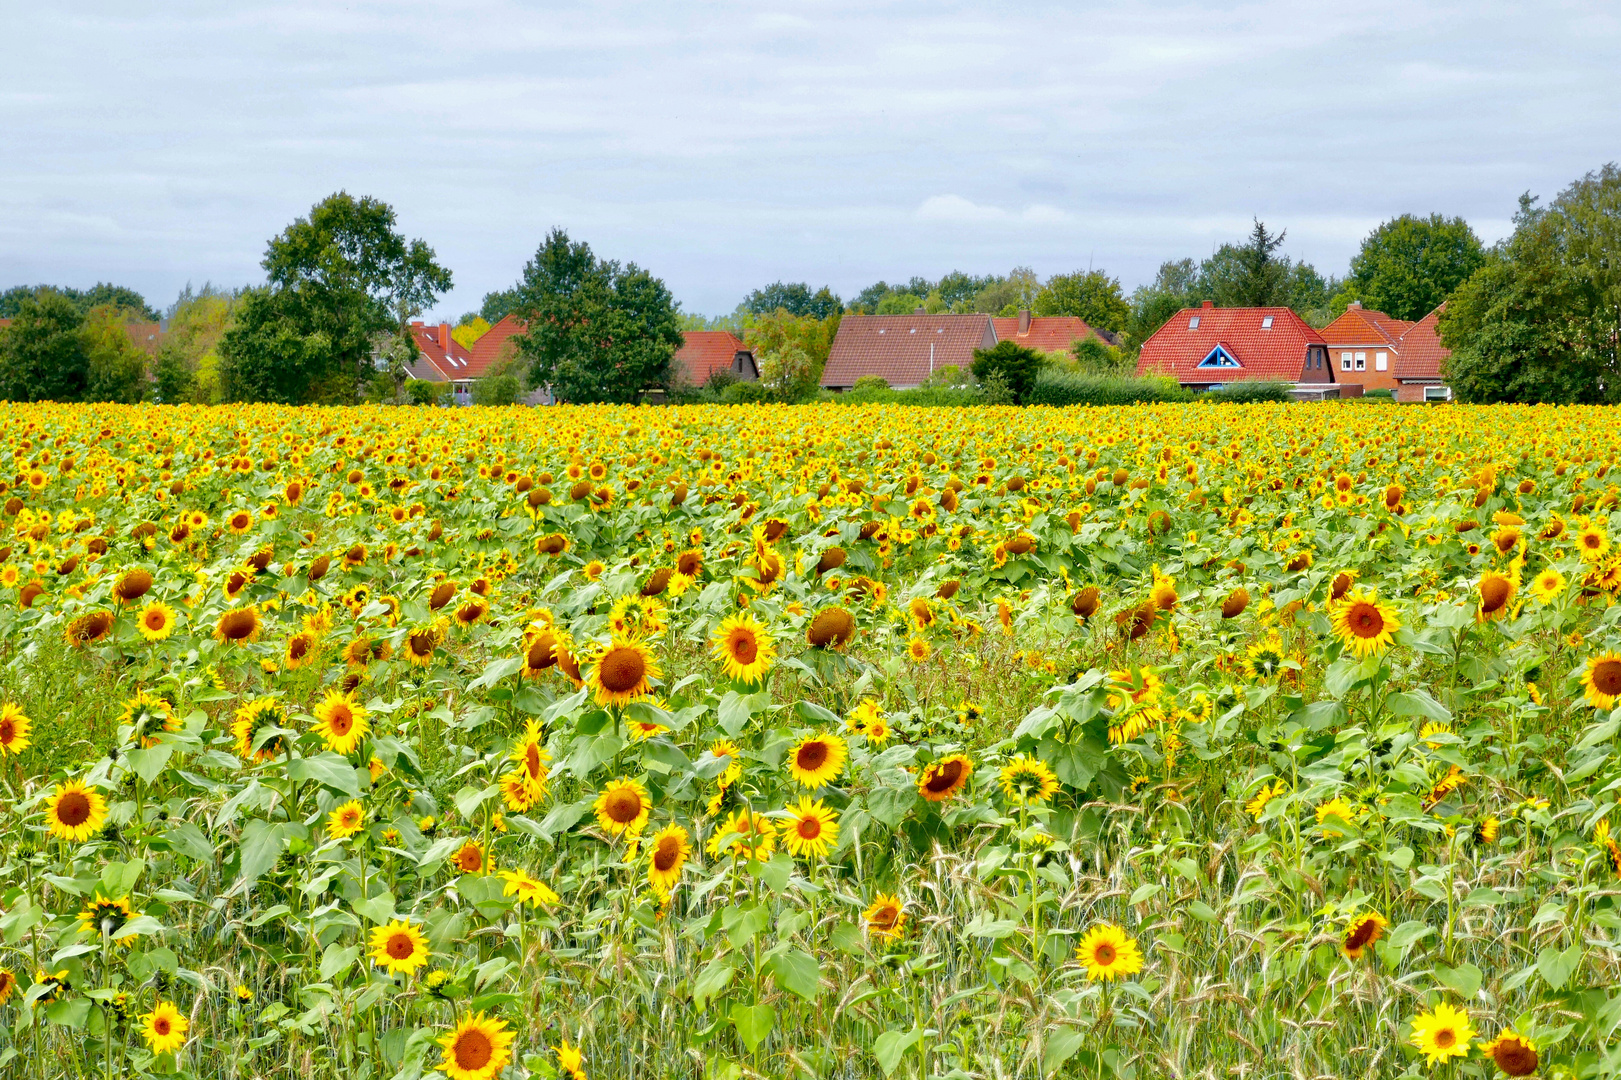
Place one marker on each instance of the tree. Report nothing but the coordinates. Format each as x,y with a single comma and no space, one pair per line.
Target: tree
1174,287
780,330
597,331
187,367
1249,274
1093,357
496,306
1408,265
501,385
1017,290
1087,294
42,353
98,295
336,281
469,330
789,372
115,368
1012,362
795,298
899,303
1540,320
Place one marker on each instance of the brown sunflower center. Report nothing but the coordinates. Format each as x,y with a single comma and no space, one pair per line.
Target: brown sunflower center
8,730
1494,593
1361,934
421,644
1591,541
1514,1057
1104,954
667,854
133,585
341,720
155,620
812,756
299,647
1445,1038
531,759
623,806
160,1025
473,1050
540,657
73,809
832,626
743,646
944,777
885,917
1607,677
1365,621
469,859
400,946
236,625
809,828
622,670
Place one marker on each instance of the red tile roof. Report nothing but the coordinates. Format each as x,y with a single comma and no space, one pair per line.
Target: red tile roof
1049,333
902,348
1278,352
492,345
147,336
1363,326
1421,350
435,362
705,352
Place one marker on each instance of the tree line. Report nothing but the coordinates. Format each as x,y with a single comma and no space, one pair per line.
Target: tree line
1535,317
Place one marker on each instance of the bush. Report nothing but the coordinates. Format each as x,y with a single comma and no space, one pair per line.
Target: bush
720,379
1248,393
1093,357
1376,395
870,382
950,375
743,393
424,392
1015,363
942,396
1072,388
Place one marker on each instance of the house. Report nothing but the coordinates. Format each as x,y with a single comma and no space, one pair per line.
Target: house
1046,333
441,358
704,352
1418,363
1364,346
1208,347
904,349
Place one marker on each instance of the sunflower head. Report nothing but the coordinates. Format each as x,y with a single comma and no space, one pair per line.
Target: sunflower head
817,760
1108,952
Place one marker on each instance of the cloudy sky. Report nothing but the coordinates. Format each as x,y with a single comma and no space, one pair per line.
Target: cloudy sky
727,145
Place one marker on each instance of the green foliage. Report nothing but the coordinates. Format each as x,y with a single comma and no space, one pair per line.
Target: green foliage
187,366
1061,388
777,331
948,375
1175,286
597,331
899,303
496,306
337,280
43,353
870,382
425,392
1249,392
795,299
1088,294
743,393
502,384
1014,363
1093,357
935,396
174,380
115,366
789,373
1409,264
1539,320
102,294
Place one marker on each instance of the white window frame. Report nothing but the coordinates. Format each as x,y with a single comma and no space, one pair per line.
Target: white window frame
1362,361
1438,393
1193,322
1381,361
1345,361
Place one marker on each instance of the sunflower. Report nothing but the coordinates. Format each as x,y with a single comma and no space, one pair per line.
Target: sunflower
477,1049
346,820
132,584
420,643
8,985
1236,602
1601,682
1264,659
89,628
744,834
667,853
253,718
238,625
811,829
1443,1034
817,761
1364,624
340,722
1485,830
528,890
622,672
164,1028
74,812
943,778
1547,586
622,808
105,916
1109,952
1027,780
1592,543
1336,810
532,760
1360,932
471,858
300,650
831,628
744,648
570,1060
1513,1053
399,948
885,916
1496,592
1267,793
156,621
14,729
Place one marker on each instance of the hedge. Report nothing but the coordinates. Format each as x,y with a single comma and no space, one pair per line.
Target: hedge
1073,388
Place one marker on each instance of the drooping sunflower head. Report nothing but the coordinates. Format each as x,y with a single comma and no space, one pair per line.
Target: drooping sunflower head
420,644
1360,932
89,628
817,760
1496,592
105,916
667,853
944,777
132,584
1235,603
832,628
238,626
300,650
1513,1053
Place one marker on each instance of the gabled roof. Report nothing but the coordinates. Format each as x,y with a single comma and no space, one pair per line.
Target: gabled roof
1421,350
1364,326
491,347
1049,333
705,352
898,347
435,362
1277,352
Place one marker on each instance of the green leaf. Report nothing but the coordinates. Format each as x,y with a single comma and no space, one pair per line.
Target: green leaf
188,839
470,798
1409,932
753,1023
735,710
994,929
813,713
327,768
563,817
1417,703
260,848
1202,911
1061,1046
337,958
711,981
150,762
70,1013
1145,892
889,1047
797,972
1557,967
1463,980
377,909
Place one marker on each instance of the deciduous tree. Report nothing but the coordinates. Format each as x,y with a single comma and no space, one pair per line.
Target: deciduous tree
1408,265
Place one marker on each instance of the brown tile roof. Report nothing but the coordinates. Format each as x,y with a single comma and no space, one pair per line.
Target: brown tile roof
901,348
705,352
492,345
1421,350
1363,326
1277,352
1049,333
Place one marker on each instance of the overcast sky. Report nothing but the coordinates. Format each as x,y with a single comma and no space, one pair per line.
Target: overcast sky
728,145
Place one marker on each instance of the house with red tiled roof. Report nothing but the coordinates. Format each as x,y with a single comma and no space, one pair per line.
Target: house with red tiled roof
1364,345
441,358
1047,333
704,352
496,345
1418,364
903,349
1208,347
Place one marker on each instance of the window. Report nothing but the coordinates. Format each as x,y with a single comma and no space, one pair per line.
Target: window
1193,323
1362,361
1381,361
1219,358
1345,361
1266,323
1437,393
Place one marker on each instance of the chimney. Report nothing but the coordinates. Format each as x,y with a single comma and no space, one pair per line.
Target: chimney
444,335
1209,303
921,310
1356,303
1024,322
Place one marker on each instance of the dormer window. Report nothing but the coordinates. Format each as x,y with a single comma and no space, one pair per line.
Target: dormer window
1219,358
1193,323
1266,323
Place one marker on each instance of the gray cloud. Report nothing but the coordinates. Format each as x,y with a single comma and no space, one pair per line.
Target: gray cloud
725,145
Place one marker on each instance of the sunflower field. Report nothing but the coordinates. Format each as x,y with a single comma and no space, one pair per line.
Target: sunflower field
820,741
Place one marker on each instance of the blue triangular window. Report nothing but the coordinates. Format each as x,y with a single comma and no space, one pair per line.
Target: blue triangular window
1219,357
